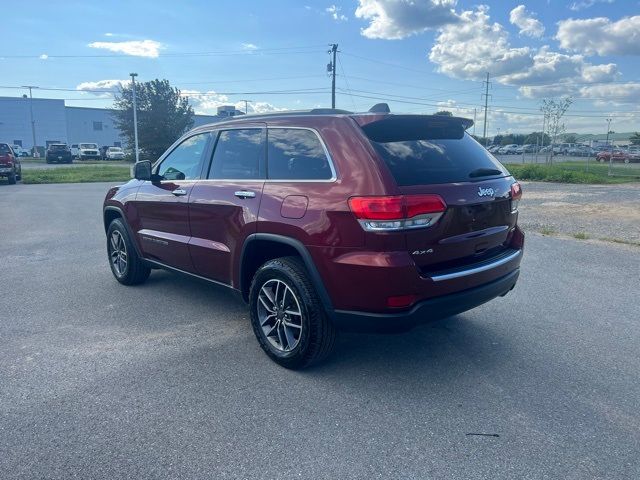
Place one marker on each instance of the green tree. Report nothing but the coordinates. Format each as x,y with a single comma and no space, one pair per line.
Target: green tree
444,113
537,137
635,138
571,138
163,115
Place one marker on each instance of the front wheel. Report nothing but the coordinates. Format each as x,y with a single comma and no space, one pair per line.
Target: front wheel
287,316
126,265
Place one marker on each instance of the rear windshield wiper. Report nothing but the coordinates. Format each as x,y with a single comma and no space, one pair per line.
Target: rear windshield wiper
484,172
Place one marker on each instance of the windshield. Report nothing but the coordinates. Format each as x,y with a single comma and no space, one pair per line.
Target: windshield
115,149
88,145
425,153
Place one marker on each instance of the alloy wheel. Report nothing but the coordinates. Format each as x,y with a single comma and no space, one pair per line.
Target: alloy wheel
280,315
118,253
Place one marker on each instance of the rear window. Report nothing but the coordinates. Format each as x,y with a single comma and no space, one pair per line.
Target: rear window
4,149
423,150
57,147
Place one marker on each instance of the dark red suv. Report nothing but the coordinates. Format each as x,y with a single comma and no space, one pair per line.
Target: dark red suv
325,220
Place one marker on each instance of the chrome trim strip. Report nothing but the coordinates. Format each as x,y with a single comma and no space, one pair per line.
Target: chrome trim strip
472,271
174,269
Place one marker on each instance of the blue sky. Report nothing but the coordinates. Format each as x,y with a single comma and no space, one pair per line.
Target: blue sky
419,56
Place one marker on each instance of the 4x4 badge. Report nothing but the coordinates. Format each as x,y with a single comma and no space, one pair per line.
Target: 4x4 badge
486,192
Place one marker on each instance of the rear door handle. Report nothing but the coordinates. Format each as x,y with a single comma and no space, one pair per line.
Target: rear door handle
178,192
245,194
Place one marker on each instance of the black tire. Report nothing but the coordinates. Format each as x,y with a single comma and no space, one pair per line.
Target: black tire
317,334
12,178
135,271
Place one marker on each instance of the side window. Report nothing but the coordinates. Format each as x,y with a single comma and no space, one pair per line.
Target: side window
294,154
185,161
237,155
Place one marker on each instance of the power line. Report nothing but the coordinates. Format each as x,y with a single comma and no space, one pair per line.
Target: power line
263,51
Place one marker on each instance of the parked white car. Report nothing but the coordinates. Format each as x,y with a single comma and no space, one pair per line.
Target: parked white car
19,151
509,149
88,151
114,153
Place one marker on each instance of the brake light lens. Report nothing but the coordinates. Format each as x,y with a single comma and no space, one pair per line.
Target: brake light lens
516,195
399,212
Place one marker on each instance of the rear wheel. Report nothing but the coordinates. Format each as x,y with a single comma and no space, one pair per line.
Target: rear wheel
287,316
126,265
12,178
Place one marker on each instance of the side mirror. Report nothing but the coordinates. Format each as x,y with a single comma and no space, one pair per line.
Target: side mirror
142,170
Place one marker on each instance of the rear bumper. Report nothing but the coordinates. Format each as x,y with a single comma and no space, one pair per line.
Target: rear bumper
427,310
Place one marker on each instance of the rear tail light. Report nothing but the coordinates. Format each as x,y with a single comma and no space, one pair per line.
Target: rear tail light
516,195
399,212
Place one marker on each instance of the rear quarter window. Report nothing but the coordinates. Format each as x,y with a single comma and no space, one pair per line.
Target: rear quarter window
296,154
421,151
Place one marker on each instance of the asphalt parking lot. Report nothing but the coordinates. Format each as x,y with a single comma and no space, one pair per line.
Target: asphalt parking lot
166,380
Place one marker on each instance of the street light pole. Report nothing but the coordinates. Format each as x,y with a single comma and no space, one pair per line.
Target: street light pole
33,123
135,116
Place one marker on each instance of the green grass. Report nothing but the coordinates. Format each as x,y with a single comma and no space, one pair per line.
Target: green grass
581,236
76,174
548,231
575,172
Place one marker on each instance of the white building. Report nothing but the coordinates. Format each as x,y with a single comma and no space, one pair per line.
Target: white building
56,123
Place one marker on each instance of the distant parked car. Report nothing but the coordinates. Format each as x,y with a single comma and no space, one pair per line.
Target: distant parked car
19,151
508,149
114,153
88,151
634,153
493,148
9,164
58,153
615,156
74,150
526,148
579,151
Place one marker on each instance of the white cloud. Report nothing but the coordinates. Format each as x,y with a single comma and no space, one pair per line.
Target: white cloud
108,34
102,88
582,4
396,19
613,93
475,46
526,22
335,13
249,46
207,103
136,48
600,36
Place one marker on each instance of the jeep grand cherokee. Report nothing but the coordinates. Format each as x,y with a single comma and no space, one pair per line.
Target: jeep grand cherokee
325,220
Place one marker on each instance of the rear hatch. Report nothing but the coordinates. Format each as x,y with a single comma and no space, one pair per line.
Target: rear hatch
433,155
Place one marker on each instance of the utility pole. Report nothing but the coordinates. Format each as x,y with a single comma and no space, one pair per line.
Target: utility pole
486,106
608,129
610,149
33,123
246,105
474,121
135,115
334,50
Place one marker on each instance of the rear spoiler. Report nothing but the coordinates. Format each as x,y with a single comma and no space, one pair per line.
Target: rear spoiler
399,128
